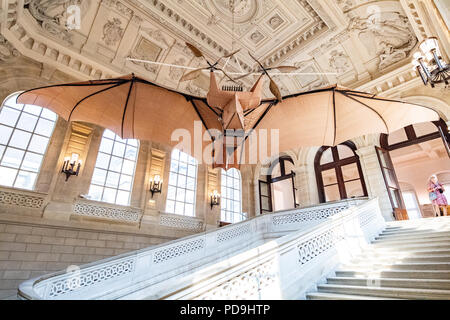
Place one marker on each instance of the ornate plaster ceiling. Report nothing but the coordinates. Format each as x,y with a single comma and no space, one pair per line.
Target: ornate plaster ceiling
358,40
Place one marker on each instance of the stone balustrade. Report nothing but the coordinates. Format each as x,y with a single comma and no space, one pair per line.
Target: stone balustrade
217,260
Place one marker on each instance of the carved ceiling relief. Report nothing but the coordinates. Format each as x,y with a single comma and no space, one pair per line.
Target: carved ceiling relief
112,32
388,34
52,16
7,51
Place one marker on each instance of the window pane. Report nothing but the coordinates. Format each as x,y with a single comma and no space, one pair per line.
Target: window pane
32,109
99,176
128,167
109,195
103,161
189,196
181,181
119,149
106,146
50,115
112,179
9,116
109,134
329,177
190,183
38,144
344,151
2,148
20,139
179,207
332,193
8,175
115,164
354,189
170,206
171,191
32,162
27,122
327,156
350,172
13,157
95,192
25,180
181,194
131,153
5,134
123,197
191,171
44,127
125,182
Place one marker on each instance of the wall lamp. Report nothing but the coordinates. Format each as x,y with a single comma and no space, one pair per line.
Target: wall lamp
155,184
215,199
69,166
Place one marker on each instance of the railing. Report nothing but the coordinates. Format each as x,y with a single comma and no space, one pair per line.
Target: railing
211,258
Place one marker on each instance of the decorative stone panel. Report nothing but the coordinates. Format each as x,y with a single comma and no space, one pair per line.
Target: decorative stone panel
105,212
21,200
181,222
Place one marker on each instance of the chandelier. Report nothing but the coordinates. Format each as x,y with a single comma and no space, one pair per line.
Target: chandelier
429,63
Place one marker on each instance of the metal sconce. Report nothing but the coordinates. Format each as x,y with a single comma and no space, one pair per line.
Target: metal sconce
69,166
429,63
155,184
215,199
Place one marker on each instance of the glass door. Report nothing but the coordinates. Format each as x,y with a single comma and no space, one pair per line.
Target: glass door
392,185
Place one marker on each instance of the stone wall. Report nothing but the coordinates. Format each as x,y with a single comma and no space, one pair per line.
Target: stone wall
29,250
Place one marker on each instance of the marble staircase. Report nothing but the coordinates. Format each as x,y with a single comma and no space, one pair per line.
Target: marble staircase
408,260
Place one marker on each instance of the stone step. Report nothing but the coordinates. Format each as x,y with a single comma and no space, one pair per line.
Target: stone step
430,235
406,253
413,247
335,296
385,258
401,242
403,274
415,231
402,293
398,266
441,284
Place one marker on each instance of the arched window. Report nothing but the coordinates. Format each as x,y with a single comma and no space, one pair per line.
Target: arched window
25,131
338,173
113,176
182,184
231,205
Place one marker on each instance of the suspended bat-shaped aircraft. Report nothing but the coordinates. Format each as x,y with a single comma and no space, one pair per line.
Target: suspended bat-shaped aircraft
133,107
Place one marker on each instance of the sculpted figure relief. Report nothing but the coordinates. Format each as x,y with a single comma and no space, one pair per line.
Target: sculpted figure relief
52,15
388,33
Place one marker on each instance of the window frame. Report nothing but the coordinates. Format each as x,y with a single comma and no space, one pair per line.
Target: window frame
111,154
190,161
337,165
224,212
32,133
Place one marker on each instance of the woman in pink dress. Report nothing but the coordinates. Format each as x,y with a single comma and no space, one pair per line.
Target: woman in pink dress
440,201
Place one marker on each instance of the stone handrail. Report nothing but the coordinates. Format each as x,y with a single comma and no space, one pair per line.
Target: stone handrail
158,271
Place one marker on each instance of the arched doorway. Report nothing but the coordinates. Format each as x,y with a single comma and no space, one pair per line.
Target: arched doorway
338,173
411,155
276,189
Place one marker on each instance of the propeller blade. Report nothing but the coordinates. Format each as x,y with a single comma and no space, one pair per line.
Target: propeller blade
275,90
194,50
285,69
191,75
